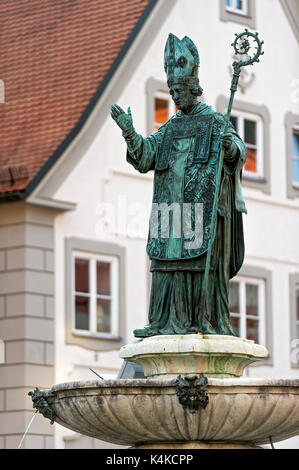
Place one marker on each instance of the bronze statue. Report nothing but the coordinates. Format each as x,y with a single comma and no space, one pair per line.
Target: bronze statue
185,155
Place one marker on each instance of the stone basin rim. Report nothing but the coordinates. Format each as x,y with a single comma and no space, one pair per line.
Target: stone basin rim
194,337
146,383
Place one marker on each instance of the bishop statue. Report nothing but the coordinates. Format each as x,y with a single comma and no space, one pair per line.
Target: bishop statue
184,156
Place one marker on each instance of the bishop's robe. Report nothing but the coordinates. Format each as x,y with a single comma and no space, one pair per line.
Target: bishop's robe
184,154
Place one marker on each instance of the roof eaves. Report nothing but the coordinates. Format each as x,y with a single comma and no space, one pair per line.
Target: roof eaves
12,196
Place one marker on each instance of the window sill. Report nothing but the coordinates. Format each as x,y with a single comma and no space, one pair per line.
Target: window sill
247,19
231,11
293,191
94,343
101,336
257,183
255,179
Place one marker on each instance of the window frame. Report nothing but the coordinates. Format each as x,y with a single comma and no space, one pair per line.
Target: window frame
293,285
238,11
153,89
237,15
93,296
242,116
256,272
295,131
297,313
96,341
242,281
291,124
291,16
249,180
163,95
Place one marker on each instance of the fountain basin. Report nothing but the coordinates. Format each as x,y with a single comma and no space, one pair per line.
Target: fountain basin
146,412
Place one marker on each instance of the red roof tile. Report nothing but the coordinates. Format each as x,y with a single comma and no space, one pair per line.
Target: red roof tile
54,54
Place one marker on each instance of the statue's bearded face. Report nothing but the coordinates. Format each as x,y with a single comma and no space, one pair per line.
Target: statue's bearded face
182,97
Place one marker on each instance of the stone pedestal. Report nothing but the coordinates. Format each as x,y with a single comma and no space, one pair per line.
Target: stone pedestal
166,357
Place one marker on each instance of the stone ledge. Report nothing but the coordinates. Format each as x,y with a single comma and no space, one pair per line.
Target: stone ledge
213,355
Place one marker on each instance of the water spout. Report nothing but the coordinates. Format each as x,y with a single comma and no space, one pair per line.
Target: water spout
28,427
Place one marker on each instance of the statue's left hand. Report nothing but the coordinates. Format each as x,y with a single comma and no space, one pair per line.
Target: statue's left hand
227,140
122,119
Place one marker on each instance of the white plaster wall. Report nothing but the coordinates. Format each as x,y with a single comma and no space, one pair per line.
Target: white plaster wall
102,175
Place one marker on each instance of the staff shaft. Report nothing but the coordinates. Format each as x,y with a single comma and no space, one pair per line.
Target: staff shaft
204,305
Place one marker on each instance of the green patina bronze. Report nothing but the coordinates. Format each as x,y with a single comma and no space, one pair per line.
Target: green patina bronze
242,46
195,240
192,392
41,405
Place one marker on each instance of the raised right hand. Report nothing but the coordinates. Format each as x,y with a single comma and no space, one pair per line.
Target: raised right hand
122,119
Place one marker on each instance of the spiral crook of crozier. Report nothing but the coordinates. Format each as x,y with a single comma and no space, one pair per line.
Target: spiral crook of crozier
248,44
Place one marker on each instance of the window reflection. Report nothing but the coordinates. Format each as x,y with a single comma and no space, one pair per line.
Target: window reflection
161,112
81,313
81,275
251,299
295,151
103,278
234,297
103,315
252,330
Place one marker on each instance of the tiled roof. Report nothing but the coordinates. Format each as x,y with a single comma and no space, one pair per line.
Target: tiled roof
54,55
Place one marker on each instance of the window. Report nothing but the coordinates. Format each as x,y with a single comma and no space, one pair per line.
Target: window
297,311
238,11
95,294
164,109
294,320
247,308
159,104
290,8
252,122
292,140
250,129
295,155
237,6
